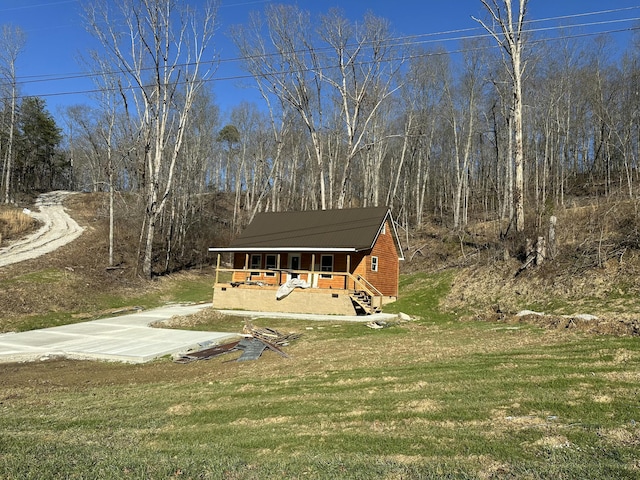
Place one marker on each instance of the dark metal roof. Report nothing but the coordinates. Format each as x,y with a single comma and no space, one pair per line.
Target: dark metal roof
349,229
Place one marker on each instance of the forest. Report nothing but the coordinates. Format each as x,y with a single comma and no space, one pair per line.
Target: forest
510,126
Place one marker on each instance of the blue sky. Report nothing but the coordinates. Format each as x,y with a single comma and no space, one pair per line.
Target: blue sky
56,36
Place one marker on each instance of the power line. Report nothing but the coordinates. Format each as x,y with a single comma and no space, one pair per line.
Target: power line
393,42
536,30
410,57
576,15
527,22
413,38
40,5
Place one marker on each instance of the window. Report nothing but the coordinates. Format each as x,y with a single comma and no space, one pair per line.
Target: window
256,263
270,263
326,265
374,264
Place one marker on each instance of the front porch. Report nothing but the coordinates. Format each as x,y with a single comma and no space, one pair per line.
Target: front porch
330,293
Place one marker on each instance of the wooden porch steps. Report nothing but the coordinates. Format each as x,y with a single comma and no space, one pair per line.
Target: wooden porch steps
362,300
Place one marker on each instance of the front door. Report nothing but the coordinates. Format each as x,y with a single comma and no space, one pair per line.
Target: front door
294,264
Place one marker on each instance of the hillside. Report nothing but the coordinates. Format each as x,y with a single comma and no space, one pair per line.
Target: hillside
428,398
74,282
594,271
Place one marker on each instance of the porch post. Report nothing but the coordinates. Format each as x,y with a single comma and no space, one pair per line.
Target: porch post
217,268
313,264
279,271
246,261
346,277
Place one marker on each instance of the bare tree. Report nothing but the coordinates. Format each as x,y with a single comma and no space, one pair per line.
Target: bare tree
280,119
12,41
365,77
510,36
232,143
422,101
186,217
109,96
286,68
94,145
462,103
336,77
159,50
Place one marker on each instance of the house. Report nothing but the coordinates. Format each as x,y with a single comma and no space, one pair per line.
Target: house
341,262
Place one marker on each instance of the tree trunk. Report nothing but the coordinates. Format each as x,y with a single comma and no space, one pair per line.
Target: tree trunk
518,187
148,247
161,37
111,217
511,40
9,159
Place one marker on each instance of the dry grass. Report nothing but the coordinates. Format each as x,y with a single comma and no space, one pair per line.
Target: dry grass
14,223
593,272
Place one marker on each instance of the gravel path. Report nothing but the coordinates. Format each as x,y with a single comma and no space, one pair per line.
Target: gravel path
58,229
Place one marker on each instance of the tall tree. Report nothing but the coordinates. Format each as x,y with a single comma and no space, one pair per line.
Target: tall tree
160,48
38,160
422,101
230,138
510,35
461,114
365,77
93,144
289,68
336,77
12,41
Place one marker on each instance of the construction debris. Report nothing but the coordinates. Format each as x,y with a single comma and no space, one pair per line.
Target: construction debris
269,335
251,348
377,324
207,353
256,341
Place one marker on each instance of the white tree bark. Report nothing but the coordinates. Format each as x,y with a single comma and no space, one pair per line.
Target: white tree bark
366,77
160,52
285,68
510,36
12,41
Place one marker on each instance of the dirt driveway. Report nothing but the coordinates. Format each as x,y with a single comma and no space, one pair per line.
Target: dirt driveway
57,229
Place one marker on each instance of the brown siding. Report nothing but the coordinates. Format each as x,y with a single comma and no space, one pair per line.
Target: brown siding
339,265
386,278
360,268
239,260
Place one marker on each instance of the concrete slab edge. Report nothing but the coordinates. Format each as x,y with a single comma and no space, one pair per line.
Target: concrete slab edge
42,356
314,317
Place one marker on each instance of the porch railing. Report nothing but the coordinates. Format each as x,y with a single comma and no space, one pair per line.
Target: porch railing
351,282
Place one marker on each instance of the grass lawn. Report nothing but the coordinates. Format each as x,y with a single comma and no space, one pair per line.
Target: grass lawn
431,398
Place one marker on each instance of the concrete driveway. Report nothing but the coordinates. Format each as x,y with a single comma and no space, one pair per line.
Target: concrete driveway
126,338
